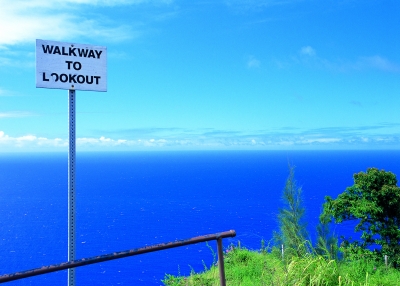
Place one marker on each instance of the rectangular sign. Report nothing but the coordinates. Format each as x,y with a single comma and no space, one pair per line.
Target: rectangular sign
71,66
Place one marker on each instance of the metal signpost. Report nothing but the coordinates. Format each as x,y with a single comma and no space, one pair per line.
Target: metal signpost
73,67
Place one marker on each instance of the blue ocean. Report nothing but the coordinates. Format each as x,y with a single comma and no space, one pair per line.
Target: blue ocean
134,199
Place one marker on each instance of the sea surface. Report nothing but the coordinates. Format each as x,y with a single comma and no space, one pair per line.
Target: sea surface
130,200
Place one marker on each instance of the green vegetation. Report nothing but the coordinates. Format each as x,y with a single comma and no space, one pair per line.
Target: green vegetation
293,232
250,268
373,202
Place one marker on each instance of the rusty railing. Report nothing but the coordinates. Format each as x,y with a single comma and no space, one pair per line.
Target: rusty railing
137,251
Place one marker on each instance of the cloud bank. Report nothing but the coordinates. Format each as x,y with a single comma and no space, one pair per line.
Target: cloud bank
365,137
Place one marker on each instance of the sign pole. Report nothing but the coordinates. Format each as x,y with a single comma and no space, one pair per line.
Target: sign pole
71,186
72,67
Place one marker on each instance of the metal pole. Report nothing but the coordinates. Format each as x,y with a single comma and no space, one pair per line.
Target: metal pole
221,262
71,187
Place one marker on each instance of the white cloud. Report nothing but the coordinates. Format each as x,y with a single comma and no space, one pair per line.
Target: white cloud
308,56
13,114
117,2
377,62
252,62
24,21
3,92
308,51
258,4
29,142
102,141
319,140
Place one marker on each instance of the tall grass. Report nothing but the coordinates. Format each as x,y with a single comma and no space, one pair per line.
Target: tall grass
244,267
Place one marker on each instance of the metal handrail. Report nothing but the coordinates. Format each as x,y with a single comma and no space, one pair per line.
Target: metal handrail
137,251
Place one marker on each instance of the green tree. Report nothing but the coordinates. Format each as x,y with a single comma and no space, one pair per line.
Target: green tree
293,234
374,203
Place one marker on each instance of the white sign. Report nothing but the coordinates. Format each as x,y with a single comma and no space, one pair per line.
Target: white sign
71,66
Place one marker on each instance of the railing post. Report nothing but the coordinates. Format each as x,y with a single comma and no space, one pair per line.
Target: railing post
221,262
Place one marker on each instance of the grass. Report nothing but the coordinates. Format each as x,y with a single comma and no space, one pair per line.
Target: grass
244,267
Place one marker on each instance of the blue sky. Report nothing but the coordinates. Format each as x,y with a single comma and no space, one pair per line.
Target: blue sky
221,74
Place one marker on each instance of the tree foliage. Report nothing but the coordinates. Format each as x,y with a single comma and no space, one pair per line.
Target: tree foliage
374,203
293,233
